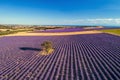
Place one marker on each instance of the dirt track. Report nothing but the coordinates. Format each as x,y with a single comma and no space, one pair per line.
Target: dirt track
53,34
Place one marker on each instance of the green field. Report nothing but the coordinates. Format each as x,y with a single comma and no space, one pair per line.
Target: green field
112,31
12,32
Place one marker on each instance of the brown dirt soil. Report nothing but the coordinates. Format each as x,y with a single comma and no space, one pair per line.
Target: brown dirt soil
54,34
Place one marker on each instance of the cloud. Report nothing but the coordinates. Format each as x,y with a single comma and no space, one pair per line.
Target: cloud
95,21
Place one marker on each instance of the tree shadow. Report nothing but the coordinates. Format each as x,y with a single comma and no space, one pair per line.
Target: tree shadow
29,48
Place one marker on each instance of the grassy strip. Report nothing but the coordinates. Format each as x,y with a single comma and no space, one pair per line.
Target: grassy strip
12,32
112,31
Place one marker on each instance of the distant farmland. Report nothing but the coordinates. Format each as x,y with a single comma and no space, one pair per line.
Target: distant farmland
112,31
78,57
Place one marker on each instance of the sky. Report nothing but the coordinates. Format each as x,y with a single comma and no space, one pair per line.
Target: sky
60,12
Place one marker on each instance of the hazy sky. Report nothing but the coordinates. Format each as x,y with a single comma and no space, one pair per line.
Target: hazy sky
60,12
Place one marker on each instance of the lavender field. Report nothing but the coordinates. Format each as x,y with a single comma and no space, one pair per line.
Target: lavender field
71,30
78,57
67,30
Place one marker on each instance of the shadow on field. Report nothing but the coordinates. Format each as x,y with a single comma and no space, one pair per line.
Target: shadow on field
29,48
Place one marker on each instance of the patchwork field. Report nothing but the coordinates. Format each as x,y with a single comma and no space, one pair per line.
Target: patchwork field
76,57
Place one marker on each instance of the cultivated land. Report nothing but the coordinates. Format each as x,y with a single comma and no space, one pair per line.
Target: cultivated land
83,55
112,31
76,57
